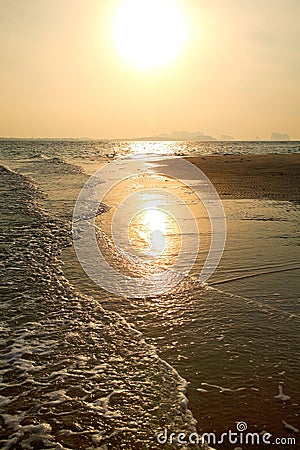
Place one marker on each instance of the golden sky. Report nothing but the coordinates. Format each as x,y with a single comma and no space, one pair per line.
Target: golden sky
114,69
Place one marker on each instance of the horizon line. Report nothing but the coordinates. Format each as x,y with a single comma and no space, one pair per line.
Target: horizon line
147,138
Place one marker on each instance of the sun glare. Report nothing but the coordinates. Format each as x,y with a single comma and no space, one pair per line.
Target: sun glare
149,33
152,232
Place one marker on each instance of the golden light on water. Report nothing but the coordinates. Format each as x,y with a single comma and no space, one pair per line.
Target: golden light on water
155,234
149,227
149,33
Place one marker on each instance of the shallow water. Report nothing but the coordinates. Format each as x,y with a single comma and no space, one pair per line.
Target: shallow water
234,342
89,149
233,350
73,375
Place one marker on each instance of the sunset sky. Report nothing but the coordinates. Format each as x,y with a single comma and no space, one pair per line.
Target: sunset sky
106,69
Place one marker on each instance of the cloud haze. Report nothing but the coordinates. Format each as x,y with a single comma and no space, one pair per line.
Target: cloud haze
61,75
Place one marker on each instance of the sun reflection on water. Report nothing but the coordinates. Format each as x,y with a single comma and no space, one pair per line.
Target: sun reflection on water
149,228
155,148
155,234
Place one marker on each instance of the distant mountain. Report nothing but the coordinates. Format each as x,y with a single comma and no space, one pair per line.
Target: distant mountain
280,137
178,136
226,137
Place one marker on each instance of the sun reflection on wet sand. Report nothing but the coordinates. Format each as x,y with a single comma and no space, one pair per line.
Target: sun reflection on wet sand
152,225
155,234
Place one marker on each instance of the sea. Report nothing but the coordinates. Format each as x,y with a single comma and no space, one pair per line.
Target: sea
84,367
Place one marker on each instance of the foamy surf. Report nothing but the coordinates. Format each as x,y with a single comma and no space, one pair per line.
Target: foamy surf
73,375
244,346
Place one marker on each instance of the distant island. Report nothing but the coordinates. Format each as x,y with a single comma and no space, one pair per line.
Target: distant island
179,136
197,136
194,136
280,137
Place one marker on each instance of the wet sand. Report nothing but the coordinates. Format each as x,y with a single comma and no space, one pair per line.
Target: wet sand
73,375
254,351
273,177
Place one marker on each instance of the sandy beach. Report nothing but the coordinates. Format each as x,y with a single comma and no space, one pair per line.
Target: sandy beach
149,225
216,361
270,177
273,177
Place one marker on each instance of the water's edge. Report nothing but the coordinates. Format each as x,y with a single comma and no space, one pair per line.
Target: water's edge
73,375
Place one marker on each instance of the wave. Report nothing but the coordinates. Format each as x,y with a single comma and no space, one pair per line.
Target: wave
82,149
73,375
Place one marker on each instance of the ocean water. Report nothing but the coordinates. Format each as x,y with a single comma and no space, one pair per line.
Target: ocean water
11,148
84,368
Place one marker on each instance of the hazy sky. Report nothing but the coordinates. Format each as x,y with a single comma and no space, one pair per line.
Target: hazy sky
238,71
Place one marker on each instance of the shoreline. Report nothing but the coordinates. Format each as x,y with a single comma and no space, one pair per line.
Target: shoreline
215,367
58,338
271,177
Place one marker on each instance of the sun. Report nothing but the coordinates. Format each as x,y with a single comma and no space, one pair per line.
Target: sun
149,33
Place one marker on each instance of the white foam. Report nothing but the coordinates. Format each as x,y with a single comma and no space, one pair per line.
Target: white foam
13,420
223,389
290,427
281,394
